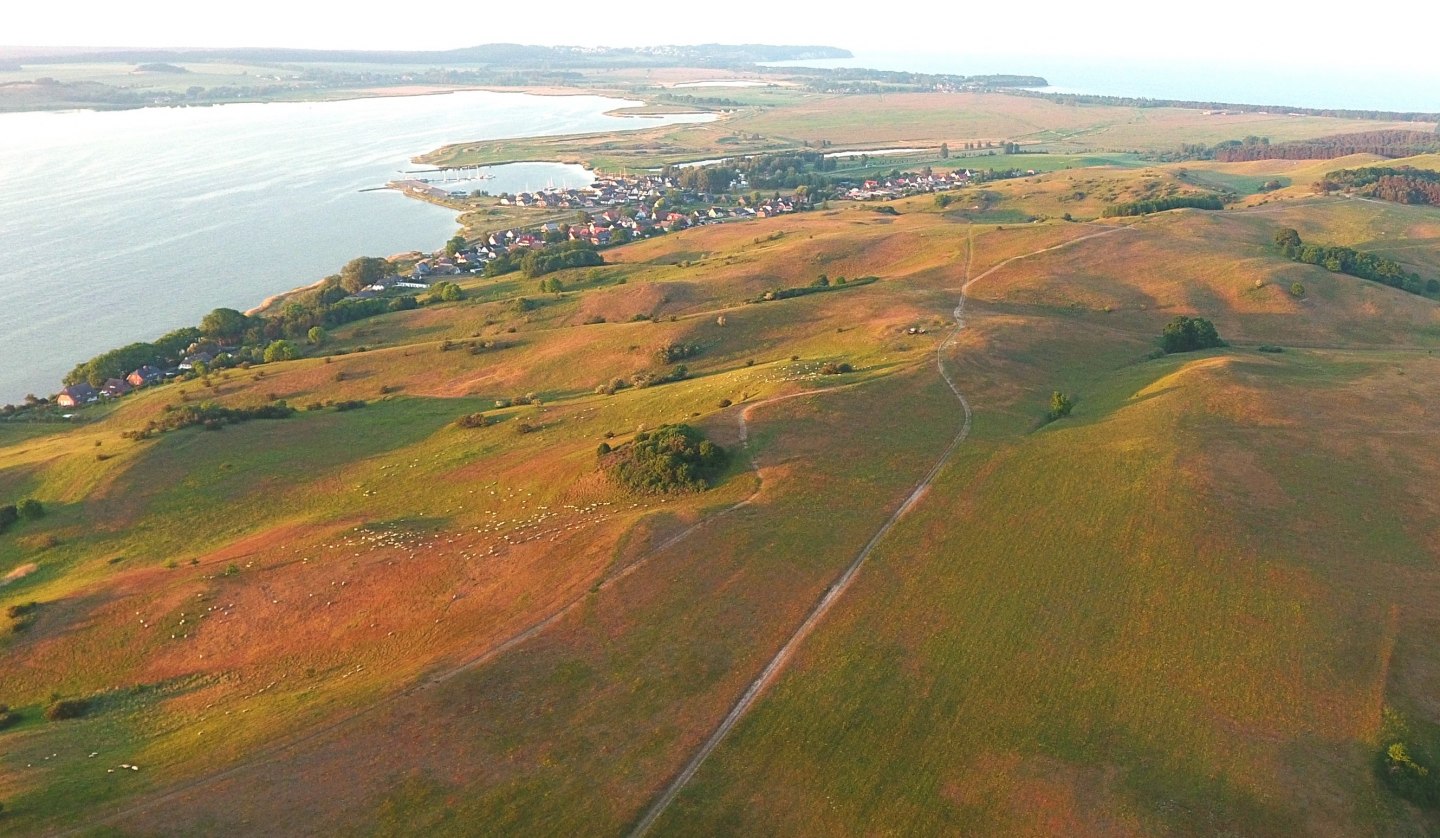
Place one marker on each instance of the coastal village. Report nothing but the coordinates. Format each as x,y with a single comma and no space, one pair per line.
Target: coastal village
613,210
620,208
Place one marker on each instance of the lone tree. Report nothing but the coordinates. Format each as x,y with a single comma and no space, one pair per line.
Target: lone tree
280,350
1287,241
316,335
1187,334
224,324
1060,405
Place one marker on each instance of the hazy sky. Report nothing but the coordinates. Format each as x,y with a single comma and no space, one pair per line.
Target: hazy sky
1251,33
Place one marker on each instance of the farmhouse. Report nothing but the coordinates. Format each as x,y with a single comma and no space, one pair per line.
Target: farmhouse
144,376
76,395
115,388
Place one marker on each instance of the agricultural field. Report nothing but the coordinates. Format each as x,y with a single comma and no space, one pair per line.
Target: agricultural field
916,597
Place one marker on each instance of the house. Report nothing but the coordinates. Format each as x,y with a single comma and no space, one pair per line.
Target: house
198,358
143,376
76,395
114,388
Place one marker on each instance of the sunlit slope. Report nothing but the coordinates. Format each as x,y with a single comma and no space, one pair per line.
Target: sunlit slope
1184,607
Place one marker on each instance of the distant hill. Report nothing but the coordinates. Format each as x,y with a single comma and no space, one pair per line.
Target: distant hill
513,55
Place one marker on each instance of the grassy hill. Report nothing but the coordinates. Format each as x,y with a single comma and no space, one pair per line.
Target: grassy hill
1200,603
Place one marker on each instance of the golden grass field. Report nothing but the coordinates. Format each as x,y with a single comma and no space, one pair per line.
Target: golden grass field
1184,609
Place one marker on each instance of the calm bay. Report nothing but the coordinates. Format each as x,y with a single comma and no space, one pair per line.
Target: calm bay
119,226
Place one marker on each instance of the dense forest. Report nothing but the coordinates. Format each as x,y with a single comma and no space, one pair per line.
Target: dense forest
1382,143
1402,185
1389,143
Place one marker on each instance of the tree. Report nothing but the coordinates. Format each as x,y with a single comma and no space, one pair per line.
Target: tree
449,292
1287,241
224,323
455,245
280,350
551,285
316,335
944,151
1060,405
363,271
1297,290
30,509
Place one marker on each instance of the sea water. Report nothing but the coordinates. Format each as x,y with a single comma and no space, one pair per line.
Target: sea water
119,226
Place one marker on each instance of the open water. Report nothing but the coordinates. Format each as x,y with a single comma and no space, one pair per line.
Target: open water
120,226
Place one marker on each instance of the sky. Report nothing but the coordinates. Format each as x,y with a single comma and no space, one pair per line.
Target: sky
1252,34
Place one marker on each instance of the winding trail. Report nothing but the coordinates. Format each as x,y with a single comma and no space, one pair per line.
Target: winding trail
838,588
275,752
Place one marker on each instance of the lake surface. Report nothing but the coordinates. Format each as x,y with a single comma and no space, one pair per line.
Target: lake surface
1339,84
120,226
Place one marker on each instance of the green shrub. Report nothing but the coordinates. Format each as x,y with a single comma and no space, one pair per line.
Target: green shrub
30,509
67,708
1406,761
1060,406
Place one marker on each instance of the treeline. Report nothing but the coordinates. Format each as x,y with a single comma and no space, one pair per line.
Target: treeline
211,416
1356,263
1392,143
818,286
1204,202
1191,104
1402,185
861,80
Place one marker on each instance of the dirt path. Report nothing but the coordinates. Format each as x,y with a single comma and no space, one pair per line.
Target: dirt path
274,753
840,585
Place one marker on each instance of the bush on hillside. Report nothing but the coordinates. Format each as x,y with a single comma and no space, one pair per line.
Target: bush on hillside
670,459
67,708
1406,763
1188,334
1060,406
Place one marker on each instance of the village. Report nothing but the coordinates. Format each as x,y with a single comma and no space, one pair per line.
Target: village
613,210
617,209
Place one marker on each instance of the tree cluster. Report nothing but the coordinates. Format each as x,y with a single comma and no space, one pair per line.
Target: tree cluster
1149,205
1347,260
1188,334
575,254
815,288
209,415
669,459
117,363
